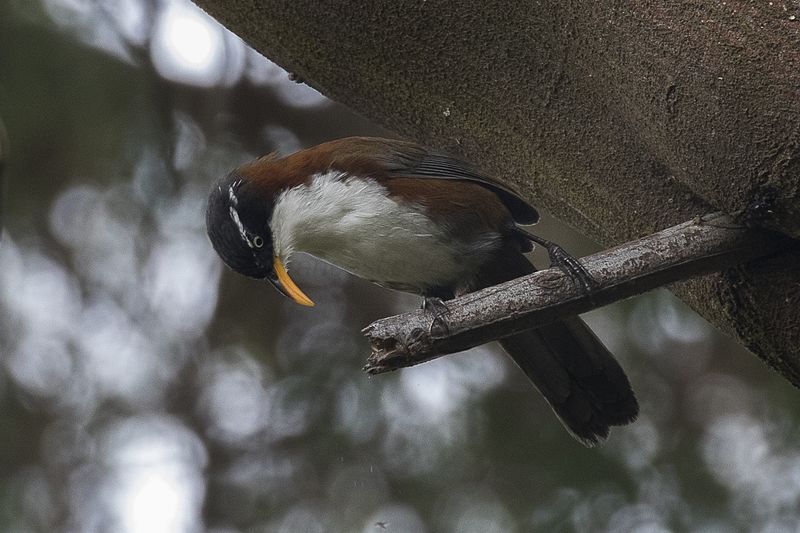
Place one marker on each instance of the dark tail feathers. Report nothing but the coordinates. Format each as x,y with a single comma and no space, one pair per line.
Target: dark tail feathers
578,376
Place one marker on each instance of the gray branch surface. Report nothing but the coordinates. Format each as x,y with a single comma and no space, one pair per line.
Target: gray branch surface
619,118
697,247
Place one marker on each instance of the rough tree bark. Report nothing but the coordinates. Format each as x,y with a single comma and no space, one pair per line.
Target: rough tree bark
619,117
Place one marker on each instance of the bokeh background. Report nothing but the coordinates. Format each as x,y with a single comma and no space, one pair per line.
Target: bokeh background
144,388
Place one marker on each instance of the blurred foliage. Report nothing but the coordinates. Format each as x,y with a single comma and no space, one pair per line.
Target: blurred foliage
144,389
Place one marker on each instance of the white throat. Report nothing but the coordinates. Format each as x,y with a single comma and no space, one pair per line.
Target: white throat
354,224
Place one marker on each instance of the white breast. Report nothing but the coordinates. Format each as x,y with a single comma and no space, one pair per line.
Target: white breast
353,224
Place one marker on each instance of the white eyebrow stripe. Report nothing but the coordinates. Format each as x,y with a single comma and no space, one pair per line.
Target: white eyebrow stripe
232,195
240,226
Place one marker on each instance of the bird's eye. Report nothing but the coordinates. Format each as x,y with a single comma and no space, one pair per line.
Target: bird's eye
258,242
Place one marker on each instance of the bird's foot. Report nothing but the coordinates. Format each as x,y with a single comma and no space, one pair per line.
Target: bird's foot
572,268
567,263
438,309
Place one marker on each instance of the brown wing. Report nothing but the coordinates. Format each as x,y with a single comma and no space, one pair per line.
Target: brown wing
400,159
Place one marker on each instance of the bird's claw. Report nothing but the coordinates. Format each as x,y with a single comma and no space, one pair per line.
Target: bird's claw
572,268
568,264
438,309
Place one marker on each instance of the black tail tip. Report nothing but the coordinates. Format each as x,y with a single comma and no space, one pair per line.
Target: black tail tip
594,431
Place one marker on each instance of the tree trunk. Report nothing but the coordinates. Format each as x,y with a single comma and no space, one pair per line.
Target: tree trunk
621,118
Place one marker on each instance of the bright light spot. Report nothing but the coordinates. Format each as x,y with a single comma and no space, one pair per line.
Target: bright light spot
154,504
191,41
155,482
188,47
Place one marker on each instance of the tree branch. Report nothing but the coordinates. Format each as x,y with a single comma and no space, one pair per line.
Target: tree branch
700,246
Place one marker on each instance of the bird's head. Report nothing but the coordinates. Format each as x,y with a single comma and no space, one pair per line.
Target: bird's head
238,218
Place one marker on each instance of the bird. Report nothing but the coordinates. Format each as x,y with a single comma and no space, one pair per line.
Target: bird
414,219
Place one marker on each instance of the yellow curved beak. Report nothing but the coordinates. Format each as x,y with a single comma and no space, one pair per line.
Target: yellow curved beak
288,287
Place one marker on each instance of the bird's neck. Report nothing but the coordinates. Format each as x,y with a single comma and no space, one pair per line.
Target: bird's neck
327,212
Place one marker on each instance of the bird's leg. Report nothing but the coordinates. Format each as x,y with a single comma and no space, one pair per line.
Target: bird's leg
563,260
438,309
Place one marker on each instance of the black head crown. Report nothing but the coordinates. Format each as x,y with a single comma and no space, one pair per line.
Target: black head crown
237,222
